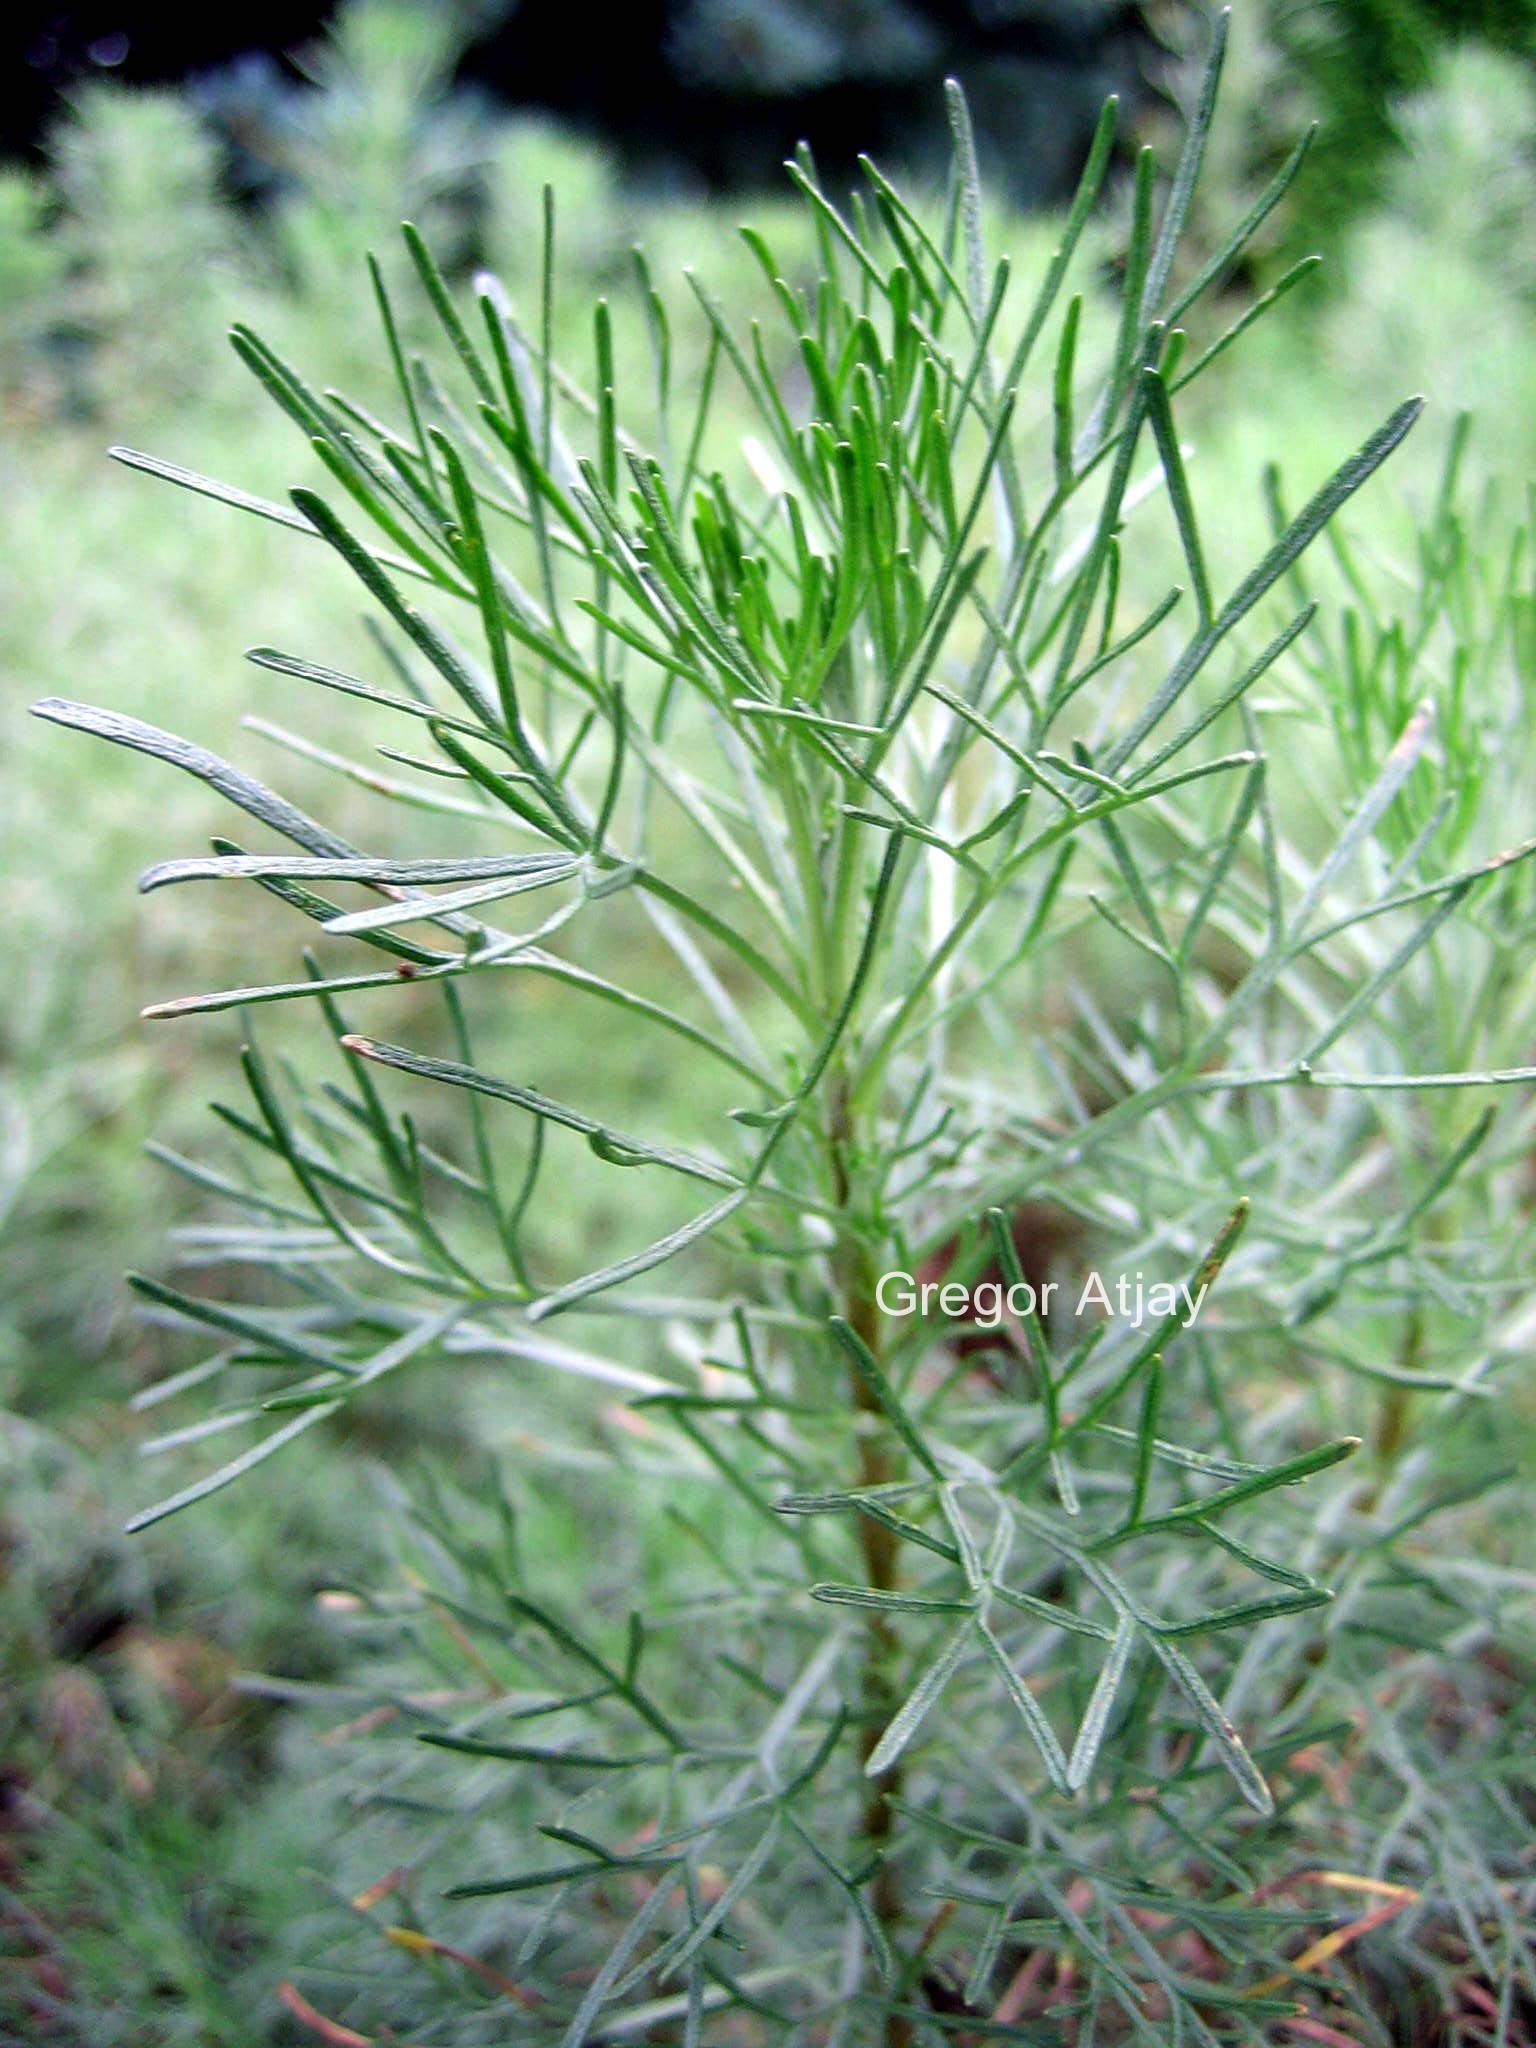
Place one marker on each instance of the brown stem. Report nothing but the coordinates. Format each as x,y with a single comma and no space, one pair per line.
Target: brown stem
856,1286
1394,1415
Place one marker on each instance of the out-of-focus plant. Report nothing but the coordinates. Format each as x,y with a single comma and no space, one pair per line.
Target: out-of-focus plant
378,135
1366,72
987,874
120,261
31,269
599,218
1455,209
152,1846
135,295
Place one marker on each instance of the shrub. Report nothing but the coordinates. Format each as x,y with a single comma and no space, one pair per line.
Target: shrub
130,291
997,926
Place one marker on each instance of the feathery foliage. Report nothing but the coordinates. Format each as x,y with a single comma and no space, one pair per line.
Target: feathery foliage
983,877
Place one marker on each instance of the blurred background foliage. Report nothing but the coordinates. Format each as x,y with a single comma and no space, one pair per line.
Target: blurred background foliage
158,1818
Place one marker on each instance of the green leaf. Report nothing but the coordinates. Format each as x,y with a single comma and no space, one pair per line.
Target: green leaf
1287,1473
1083,202
426,637
1040,1730
242,790
359,868
644,1261
455,1074
542,1754
872,1373
894,1603
1229,1744
915,1708
1160,414
1187,172
1299,535
1095,1722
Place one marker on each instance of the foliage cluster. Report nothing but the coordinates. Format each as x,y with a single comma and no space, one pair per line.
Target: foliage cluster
926,1699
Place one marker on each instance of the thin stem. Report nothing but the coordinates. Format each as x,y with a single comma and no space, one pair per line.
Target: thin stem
856,1289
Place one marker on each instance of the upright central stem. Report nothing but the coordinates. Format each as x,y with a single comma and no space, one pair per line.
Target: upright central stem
856,1282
